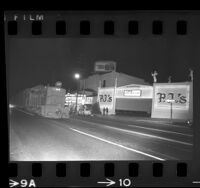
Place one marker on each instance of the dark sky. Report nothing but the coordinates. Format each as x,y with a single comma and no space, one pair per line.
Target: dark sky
40,61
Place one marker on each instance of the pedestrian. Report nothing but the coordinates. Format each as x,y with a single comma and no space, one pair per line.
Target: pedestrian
107,111
104,110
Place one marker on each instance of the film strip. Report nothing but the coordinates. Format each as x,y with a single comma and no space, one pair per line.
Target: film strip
161,30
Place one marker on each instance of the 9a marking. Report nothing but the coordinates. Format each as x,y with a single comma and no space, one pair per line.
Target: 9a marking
22,183
26,183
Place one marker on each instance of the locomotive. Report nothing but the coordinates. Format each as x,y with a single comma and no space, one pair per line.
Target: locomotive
46,101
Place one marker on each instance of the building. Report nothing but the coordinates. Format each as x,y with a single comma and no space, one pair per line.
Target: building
128,98
109,80
173,100
134,97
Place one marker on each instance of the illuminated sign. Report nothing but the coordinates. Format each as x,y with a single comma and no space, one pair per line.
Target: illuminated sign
178,93
71,99
105,97
173,100
81,99
136,91
58,84
133,93
89,100
170,100
105,66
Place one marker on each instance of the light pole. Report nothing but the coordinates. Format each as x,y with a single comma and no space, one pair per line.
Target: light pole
76,76
171,102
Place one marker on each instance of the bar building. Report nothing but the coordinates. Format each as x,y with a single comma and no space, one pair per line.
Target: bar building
120,92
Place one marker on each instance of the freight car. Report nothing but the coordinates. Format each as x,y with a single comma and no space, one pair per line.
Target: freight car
43,100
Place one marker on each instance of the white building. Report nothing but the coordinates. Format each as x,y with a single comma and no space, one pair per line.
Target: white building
128,98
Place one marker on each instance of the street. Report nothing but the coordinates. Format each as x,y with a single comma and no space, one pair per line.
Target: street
34,138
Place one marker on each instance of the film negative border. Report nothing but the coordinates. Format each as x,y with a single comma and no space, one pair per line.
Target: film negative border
96,174
122,24
109,27
101,25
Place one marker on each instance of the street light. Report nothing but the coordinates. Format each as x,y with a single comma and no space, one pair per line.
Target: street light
170,101
76,76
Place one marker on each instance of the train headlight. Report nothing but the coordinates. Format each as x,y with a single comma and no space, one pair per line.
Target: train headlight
189,122
11,106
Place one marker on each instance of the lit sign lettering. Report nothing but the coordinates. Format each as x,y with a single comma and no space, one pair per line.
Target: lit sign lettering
172,100
88,100
105,97
178,94
133,93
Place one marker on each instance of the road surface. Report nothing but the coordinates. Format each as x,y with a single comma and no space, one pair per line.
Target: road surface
34,138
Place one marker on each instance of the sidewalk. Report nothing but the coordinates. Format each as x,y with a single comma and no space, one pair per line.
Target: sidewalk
145,119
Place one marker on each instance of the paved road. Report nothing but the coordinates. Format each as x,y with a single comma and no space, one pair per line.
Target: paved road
34,138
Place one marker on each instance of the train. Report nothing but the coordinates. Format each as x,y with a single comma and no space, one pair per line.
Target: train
46,101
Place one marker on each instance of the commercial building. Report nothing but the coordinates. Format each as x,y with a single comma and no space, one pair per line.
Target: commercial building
118,91
128,98
162,100
121,92
109,79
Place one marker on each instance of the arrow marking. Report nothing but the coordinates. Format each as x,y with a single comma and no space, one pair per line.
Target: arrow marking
13,183
108,182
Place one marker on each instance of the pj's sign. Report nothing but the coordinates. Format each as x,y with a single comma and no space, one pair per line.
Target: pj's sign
105,97
179,94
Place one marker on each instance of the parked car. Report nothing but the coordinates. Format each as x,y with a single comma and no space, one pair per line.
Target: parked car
85,110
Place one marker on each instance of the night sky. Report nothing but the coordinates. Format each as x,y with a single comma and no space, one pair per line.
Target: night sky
31,62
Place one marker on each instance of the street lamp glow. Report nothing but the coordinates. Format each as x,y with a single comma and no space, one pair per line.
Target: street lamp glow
77,76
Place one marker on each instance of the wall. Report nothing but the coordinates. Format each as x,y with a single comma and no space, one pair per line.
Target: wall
182,106
139,105
106,99
92,82
132,102
134,98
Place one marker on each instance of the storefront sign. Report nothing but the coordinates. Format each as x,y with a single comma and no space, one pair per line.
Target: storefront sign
132,93
135,91
173,100
178,93
105,66
106,99
88,100
71,99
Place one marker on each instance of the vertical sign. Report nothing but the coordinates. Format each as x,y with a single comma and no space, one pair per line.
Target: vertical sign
106,99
